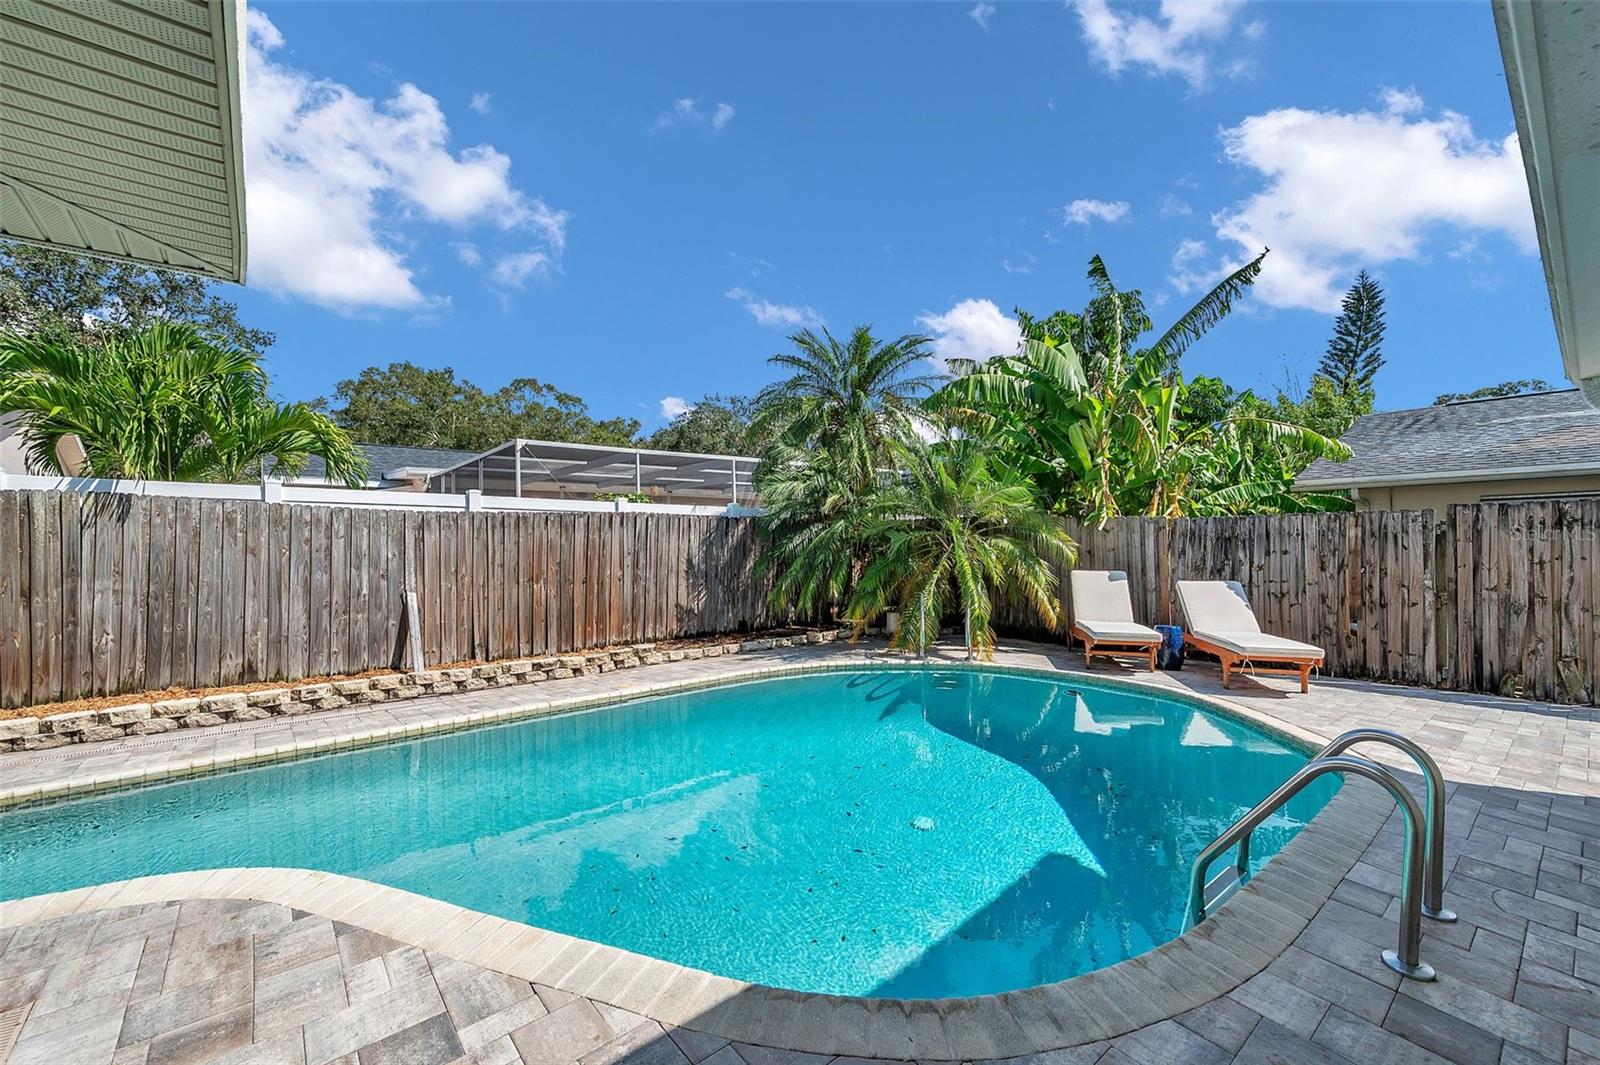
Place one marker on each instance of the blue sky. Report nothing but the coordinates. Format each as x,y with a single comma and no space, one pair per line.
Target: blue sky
638,203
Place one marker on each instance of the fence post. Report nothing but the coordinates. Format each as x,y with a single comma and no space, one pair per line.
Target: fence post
271,490
474,499
1443,564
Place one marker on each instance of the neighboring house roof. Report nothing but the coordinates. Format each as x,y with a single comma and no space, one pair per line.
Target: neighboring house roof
120,131
384,460
1537,435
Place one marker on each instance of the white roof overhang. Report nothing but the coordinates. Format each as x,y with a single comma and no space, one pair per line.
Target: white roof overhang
1552,59
1497,473
120,130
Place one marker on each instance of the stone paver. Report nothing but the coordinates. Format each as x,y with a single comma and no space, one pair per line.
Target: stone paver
230,980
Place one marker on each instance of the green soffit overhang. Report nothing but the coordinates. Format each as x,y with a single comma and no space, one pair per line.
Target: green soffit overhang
119,130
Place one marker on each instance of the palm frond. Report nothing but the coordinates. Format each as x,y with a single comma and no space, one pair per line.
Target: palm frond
1274,495
162,403
1100,278
954,525
1210,310
1301,436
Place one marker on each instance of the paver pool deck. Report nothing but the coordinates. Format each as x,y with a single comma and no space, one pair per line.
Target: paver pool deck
301,967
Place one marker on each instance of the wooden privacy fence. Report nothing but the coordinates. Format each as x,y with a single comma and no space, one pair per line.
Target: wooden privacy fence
1495,597
108,593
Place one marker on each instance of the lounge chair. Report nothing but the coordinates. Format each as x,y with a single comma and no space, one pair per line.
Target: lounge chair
1220,623
1102,617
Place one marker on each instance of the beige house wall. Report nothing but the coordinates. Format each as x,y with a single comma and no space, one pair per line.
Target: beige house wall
13,458
1439,496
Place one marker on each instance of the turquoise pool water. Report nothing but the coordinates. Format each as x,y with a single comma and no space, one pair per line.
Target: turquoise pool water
906,833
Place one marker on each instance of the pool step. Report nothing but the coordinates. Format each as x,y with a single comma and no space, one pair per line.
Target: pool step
1221,887
11,1022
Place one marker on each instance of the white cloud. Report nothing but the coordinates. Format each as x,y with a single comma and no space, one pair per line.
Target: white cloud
1172,206
469,254
1181,39
686,111
972,329
783,315
683,109
981,13
1023,264
480,102
1349,190
1401,101
1189,274
263,34
1083,212
672,406
334,177
513,271
754,265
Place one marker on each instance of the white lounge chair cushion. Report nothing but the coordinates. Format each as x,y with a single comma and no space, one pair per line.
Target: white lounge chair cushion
1262,646
1216,606
1119,632
1101,595
1219,613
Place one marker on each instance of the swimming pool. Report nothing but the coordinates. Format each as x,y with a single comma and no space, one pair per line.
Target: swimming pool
909,833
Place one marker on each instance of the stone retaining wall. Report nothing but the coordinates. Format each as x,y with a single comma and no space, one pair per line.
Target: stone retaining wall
144,719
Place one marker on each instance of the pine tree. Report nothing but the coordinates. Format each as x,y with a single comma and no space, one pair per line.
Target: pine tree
1356,351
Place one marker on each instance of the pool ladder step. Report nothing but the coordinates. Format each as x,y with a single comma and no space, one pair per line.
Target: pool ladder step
1220,888
1421,870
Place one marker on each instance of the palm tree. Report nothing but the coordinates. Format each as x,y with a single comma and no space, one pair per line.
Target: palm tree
1096,424
813,526
957,530
162,403
855,397
832,426
1233,465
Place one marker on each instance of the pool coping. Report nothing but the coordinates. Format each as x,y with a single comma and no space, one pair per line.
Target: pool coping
1240,940
1209,960
73,787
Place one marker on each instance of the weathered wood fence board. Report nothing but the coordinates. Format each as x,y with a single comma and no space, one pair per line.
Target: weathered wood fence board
1497,597
111,593
101,594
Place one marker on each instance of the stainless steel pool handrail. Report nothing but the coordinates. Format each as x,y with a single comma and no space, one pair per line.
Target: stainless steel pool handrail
1433,825
1433,814
1405,959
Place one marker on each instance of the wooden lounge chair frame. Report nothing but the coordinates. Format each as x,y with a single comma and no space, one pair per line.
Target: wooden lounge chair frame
1231,661
1114,648
1106,592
